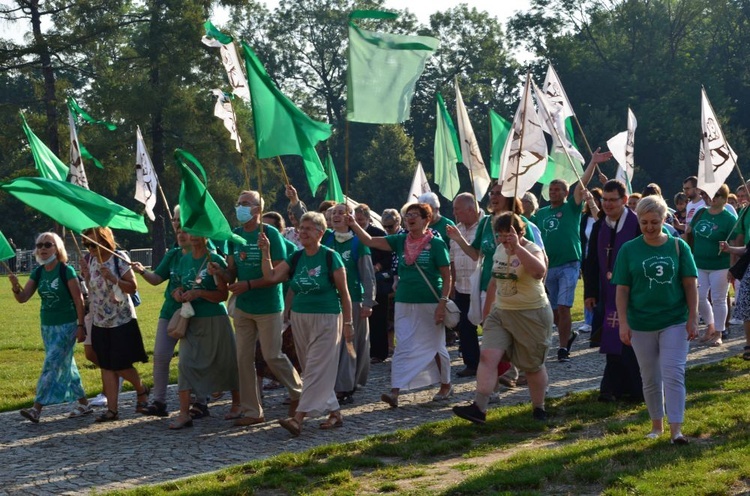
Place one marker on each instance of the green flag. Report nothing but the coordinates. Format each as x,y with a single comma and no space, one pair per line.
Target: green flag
79,112
447,152
214,34
72,206
334,187
280,127
500,129
199,213
6,251
383,71
46,162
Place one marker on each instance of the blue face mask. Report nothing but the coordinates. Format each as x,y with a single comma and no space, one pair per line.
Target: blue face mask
244,214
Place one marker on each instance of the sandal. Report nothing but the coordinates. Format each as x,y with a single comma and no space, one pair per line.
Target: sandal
234,413
142,406
80,411
198,411
31,414
107,416
746,353
157,408
181,422
334,421
291,425
390,399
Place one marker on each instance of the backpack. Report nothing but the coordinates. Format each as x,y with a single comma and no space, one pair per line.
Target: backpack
329,263
135,296
328,241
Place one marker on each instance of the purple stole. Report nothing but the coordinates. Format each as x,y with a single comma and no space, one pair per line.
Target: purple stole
609,245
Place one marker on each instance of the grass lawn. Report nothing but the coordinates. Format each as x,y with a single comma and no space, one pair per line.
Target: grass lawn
585,448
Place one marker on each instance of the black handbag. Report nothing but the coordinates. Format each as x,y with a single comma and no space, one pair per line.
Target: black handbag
740,267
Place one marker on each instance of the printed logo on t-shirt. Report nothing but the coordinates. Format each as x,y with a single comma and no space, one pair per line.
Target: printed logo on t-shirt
307,282
704,228
659,270
49,290
347,255
551,224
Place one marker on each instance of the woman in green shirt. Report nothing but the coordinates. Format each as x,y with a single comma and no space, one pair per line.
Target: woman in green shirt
62,324
657,306
420,357
208,353
318,282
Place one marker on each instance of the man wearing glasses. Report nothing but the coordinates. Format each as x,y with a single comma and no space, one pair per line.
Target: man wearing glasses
695,201
621,378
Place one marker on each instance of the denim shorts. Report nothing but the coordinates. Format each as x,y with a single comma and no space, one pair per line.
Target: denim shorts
561,283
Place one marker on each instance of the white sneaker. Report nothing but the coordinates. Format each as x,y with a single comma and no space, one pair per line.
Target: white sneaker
99,400
584,328
735,321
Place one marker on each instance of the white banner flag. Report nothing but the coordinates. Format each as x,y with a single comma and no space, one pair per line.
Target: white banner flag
146,181
223,110
470,149
232,65
524,157
419,185
76,174
622,147
716,158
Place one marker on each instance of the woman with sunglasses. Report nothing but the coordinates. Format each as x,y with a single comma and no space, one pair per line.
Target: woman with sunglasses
420,358
115,336
208,352
61,316
164,345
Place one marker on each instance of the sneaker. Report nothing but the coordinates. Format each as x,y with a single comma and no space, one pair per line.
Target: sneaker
563,355
99,400
539,414
735,321
584,328
472,413
346,399
724,334
571,340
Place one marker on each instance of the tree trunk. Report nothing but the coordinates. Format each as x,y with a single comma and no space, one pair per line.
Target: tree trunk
48,74
159,246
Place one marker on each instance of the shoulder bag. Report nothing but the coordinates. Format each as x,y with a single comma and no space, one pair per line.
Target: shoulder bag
452,313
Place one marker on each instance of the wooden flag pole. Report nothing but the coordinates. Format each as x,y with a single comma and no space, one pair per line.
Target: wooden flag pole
260,193
527,89
283,170
101,247
585,141
239,145
78,248
346,160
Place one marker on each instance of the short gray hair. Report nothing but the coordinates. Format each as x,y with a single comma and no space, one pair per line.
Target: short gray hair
430,199
467,199
652,205
391,214
256,196
316,218
531,198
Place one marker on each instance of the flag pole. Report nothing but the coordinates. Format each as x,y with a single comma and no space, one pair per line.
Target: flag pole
585,141
101,247
527,89
260,193
346,160
239,145
283,170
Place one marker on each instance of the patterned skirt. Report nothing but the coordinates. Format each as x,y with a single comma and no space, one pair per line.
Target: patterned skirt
742,299
60,381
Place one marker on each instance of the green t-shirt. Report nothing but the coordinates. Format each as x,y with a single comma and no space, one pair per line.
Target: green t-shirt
290,248
708,230
168,270
654,275
484,241
57,305
440,226
314,291
561,232
247,259
743,227
344,249
193,274
412,287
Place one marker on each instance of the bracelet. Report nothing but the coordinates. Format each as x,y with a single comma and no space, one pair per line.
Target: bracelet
444,298
349,323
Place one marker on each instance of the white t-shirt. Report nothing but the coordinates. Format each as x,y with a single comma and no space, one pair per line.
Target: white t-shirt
692,208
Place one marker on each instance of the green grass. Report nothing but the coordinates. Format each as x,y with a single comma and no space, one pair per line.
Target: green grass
22,351
586,448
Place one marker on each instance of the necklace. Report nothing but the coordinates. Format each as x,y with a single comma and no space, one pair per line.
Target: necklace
198,278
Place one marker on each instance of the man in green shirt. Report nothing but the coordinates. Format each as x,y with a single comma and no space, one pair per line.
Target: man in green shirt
560,223
258,310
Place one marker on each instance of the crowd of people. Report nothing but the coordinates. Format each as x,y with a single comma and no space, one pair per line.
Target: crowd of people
316,304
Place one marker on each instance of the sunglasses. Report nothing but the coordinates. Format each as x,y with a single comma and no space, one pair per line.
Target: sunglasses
46,244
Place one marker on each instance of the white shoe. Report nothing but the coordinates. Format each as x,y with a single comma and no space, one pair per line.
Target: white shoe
584,328
99,400
735,321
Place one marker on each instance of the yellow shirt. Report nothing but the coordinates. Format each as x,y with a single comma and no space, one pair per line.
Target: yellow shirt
516,289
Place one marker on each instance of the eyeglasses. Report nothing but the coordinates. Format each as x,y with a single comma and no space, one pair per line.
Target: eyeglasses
46,244
246,204
412,215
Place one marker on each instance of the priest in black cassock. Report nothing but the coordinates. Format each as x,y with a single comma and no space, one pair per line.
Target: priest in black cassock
622,377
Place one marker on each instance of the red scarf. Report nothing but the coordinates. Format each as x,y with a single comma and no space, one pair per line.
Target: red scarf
414,246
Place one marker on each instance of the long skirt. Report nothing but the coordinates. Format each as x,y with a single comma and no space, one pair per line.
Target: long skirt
208,356
60,381
317,337
418,341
